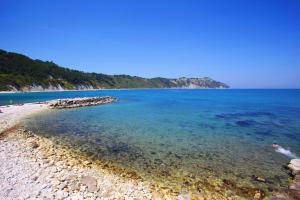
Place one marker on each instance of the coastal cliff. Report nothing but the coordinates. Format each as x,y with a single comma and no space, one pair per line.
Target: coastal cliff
21,73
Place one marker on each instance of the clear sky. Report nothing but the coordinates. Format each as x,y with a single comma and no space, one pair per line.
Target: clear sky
246,43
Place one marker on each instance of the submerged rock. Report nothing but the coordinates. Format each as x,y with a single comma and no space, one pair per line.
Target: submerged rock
259,179
245,123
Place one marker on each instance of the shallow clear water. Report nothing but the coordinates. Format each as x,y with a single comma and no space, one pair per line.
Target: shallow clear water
182,139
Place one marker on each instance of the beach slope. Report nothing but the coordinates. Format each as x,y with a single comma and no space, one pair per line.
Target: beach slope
32,167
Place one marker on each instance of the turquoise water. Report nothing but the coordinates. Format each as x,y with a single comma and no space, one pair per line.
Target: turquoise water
197,140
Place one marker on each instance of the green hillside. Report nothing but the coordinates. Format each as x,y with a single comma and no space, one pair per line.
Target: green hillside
19,72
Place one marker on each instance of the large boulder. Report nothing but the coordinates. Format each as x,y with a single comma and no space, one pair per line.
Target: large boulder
294,166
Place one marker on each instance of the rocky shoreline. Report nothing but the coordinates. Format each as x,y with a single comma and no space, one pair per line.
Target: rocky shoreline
34,168
293,191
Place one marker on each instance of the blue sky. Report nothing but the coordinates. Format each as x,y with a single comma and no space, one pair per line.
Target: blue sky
246,44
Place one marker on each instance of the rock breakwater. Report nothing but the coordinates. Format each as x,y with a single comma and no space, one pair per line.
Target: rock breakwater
81,102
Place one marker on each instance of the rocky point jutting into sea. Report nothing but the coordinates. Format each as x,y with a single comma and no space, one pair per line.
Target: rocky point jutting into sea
81,102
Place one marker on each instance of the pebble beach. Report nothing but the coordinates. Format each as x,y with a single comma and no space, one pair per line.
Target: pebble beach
32,168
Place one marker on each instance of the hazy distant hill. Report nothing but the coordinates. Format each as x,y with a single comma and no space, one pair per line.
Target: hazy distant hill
21,73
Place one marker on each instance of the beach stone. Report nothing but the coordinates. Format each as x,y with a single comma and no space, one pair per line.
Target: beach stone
257,195
296,183
71,177
90,182
34,144
87,162
77,196
185,196
156,196
61,195
294,166
63,185
73,186
35,178
53,170
295,162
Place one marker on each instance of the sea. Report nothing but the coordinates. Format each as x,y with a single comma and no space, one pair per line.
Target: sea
198,140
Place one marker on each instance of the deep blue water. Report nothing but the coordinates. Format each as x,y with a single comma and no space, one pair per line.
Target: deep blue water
178,136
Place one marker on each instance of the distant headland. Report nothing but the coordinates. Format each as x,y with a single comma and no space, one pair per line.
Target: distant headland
21,73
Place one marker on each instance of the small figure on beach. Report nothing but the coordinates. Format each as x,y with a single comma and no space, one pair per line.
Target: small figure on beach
1,111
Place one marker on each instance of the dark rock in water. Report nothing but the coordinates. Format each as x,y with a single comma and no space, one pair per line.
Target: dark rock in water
264,133
98,140
158,161
259,179
228,183
253,193
243,114
249,193
203,125
257,114
178,156
290,135
245,123
228,124
120,148
259,139
222,116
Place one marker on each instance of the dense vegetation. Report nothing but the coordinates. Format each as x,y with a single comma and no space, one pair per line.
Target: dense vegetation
19,72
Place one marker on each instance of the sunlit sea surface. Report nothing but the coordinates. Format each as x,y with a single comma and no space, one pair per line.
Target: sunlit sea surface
183,140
